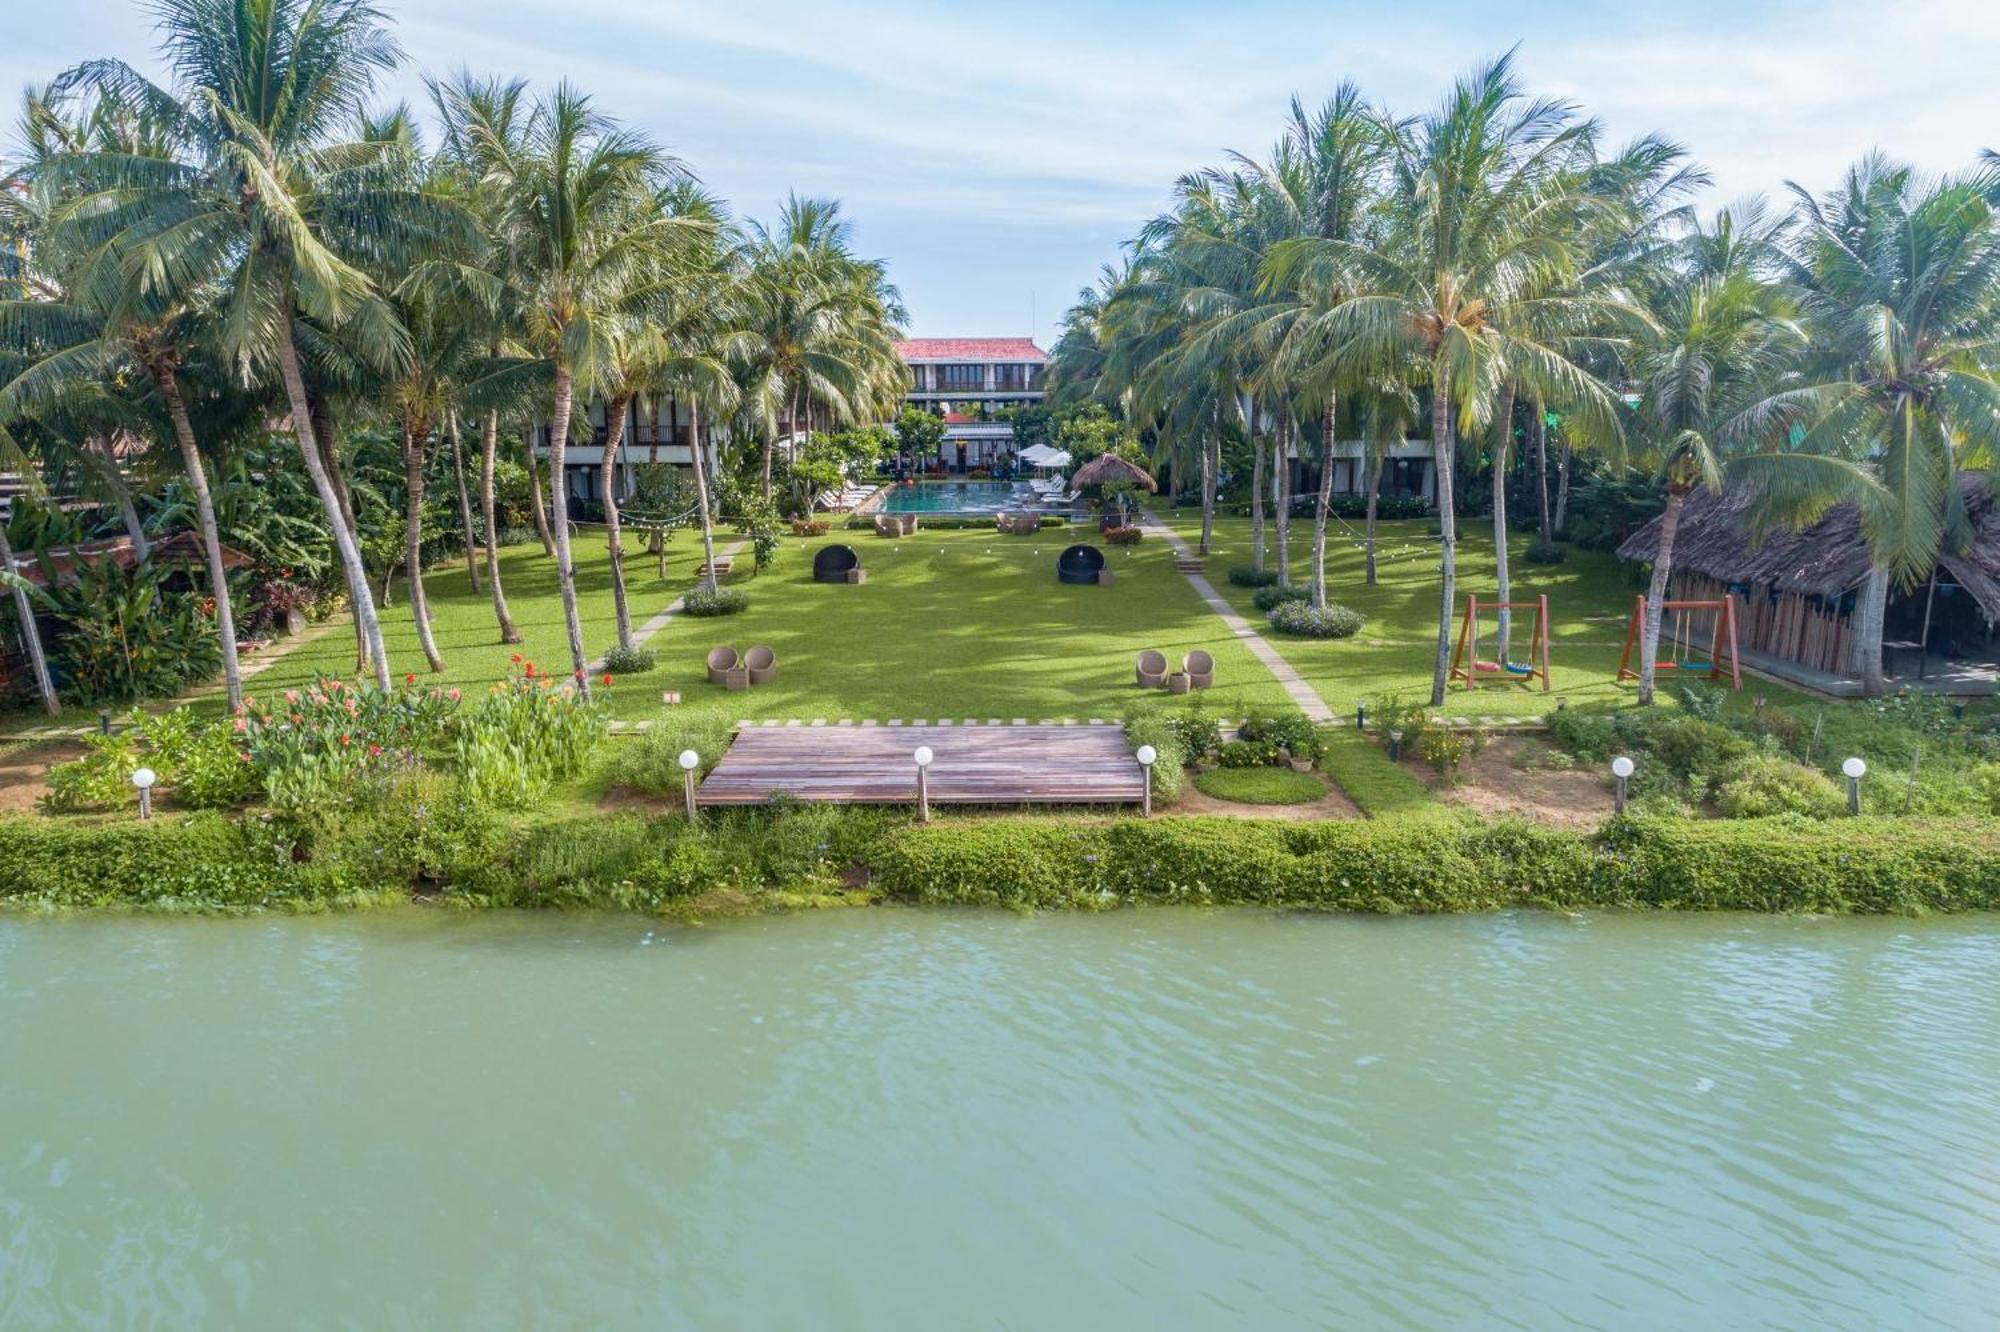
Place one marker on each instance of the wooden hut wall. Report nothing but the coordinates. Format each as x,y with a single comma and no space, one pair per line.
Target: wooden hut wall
1814,632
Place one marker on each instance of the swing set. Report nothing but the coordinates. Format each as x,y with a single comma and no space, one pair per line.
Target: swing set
1681,637
1465,662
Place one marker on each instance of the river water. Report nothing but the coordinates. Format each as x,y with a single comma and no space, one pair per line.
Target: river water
901,1120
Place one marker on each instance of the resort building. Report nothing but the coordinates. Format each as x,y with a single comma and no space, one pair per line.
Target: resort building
654,432
1798,595
969,382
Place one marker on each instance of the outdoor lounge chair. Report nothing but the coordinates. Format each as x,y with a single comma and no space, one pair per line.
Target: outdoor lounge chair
1200,668
1152,669
1080,565
762,663
834,563
721,661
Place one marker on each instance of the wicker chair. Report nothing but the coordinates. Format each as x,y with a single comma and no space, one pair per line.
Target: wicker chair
762,664
1152,669
1080,565
721,661
834,563
1200,668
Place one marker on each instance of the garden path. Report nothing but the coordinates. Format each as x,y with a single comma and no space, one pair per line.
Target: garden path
665,617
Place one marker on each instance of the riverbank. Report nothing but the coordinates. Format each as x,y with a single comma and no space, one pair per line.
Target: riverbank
459,855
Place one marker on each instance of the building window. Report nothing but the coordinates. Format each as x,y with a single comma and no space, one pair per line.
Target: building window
958,378
1010,378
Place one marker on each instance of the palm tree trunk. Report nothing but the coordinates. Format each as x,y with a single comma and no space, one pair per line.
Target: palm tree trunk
1211,452
464,501
541,500
1540,428
1374,504
323,435
211,535
1284,502
31,633
1443,460
1656,593
1502,574
1324,508
121,494
614,440
1869,613
701,490
489,451
413,544
1256,492
559,524
1563,460
344,543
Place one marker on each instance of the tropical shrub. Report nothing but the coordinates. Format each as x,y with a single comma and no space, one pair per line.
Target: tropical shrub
1308,621
1541,552
1170,769
1244,575
332,741
1198,734
126,635
811,527
628,661
650,761
1762,784
721,601
527,734
199,764
1123,536
1247,754
1290,731
1277,594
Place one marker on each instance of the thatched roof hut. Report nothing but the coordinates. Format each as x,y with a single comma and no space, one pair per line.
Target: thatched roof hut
1110,469
1797,588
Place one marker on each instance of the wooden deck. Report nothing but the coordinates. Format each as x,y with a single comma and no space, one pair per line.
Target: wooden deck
974,765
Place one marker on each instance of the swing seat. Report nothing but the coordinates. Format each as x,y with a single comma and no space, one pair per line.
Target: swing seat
1488,667
1517,668
1697,665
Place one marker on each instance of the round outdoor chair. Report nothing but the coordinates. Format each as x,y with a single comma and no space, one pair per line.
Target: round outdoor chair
1152,669
1080,565
721,661
1200,668
834,563
763,665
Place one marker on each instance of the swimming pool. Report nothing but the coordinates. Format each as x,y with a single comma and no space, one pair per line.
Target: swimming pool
959,497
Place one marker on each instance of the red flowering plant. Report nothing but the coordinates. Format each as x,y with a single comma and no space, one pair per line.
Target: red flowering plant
529,732
331,741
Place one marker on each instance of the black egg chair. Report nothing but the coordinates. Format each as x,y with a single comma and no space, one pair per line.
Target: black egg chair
834,563
1080,564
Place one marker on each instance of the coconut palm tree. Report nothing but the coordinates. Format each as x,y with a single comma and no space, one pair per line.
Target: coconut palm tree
270,207
1484,214
1900,285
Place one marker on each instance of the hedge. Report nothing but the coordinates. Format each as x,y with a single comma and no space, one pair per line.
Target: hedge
1425,862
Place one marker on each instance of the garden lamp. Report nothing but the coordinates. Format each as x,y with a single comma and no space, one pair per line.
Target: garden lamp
1395,746
144,779
1147,757
689,762
924,758
1622,768
1855,769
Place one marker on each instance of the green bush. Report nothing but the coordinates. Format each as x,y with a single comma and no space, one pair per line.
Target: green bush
1540,552
1303,619
1170,769
524,736
1199,734
628,661
1270,598
199,765
722,601
1247,754
1761,785
1244,575
650,761
1291,731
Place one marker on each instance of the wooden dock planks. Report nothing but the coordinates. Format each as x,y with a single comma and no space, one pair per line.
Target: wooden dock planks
980,765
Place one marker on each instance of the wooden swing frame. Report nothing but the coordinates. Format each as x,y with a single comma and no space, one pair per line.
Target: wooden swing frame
1465,662
1724,645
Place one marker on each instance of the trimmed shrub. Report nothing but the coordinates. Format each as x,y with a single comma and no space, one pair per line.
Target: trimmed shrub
1291,731
1303,619
1170,769
1247,754
1244,575
1277,594
1122,536
1261,786
628,661
1540,552
1199,735
811,527
721,601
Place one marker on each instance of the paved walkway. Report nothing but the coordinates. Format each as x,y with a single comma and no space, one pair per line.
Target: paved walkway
665,617
1294,684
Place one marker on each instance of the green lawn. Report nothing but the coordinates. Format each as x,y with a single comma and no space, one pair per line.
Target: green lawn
1590,603
956,625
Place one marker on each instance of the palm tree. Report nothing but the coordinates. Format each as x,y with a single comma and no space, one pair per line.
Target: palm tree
1900,281
585,240
271,209
1726,339
1484,215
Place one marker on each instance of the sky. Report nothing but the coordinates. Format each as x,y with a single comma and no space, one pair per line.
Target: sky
996,155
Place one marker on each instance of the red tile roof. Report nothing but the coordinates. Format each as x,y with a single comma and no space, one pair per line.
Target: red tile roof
960,418
970,349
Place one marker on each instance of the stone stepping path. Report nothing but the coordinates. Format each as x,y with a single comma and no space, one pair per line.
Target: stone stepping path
666,617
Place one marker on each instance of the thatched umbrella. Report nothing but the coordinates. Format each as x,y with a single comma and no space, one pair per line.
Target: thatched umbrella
1108,469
